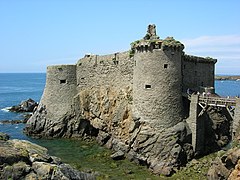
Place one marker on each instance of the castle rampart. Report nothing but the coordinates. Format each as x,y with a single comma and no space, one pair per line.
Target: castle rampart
197,72
59,90
156,70
114,70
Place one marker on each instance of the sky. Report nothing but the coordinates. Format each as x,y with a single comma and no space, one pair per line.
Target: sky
38,33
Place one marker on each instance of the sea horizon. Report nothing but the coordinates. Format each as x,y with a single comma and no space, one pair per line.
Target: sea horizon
46,72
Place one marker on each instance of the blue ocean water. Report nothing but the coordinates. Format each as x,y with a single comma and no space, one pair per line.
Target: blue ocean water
227,88
16,87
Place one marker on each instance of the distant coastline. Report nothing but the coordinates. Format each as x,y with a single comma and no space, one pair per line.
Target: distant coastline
226,77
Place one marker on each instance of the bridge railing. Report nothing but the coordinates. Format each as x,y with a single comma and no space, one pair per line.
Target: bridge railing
218,100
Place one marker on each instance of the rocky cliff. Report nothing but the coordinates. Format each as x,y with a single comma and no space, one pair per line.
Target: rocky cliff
105,113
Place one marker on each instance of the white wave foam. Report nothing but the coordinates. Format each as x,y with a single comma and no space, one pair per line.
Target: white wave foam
6,109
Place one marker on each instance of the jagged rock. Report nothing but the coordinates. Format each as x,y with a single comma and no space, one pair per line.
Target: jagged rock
44,170
223,167
16,171
4,136
217,129
133,126
161,169
10,155
235,174
118,155
24,160
14,121
65,171
102,137
232,157
217,170
106,115
25,106
188,149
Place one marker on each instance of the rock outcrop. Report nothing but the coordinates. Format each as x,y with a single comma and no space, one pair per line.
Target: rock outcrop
226,166
25,106
106,115
233,78
4,136
21,159
218,129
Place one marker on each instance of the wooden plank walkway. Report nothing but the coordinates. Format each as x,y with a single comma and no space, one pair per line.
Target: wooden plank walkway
214,101
217,101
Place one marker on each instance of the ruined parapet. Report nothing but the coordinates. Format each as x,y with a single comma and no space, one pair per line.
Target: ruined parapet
59,90
157,80
112,70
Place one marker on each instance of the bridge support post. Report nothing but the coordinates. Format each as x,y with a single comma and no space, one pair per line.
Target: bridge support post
236,119
196,124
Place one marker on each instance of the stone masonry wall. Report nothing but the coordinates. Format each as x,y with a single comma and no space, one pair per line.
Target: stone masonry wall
115,70
197,71
157,88
59,90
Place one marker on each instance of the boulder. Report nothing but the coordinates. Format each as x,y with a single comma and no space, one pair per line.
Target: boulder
4,136
13,121
118,155
226,166
217,170
21,159
235,174
25,106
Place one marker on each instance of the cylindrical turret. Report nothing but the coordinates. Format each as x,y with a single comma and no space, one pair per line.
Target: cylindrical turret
157,81
59,90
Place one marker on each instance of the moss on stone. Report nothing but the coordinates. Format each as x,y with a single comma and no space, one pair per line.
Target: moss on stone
131,53
171,42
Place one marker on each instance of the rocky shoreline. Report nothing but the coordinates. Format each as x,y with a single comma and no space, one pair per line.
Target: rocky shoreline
20,159
27,107
13,121
233,78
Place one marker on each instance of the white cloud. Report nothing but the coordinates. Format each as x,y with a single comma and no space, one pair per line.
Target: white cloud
225,48
224,40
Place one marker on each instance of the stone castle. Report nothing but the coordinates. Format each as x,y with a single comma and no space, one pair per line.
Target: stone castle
156,70
130,101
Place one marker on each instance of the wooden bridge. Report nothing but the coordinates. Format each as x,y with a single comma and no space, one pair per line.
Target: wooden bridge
199,105
214,100
217,101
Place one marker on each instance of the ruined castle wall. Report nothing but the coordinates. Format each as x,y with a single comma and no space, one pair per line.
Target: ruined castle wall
114,70
59,90
104,86
197,71
157,83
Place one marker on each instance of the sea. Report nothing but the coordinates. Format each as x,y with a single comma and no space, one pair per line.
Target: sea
16,87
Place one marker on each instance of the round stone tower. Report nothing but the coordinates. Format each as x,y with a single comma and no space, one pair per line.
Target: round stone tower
157,80
59,90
